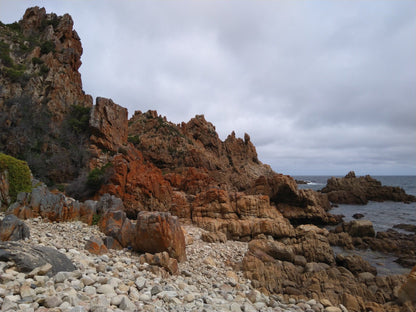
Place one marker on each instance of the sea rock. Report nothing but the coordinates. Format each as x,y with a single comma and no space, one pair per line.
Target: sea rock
27,258
359,190
157,232
13,229
358,228
109,124
355,264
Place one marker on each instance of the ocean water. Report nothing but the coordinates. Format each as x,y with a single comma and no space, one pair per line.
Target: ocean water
383,215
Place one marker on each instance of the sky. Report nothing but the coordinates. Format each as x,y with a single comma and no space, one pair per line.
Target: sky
321,87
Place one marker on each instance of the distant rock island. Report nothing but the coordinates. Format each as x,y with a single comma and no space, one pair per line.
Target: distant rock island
68,160
360,190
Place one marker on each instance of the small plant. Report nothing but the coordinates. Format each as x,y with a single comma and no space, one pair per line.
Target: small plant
97,177
18,174
5,54
135,139
79,118
36,61
96,219
47,46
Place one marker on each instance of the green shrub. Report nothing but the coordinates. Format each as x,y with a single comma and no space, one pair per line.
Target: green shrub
47,46
18,174
79,118
135,139
5,54
17,74
95,219
36,61
98,176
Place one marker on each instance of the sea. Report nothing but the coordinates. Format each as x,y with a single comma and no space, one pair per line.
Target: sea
383,215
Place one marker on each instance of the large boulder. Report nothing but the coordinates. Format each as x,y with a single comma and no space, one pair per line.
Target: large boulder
13,229
359,190
26,258
157,232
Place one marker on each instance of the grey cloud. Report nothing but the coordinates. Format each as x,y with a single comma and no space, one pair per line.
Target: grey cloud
320,86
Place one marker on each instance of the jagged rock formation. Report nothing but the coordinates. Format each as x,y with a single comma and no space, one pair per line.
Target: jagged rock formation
41,94
146,169
353,190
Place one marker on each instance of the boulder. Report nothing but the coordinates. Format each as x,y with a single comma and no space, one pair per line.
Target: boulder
211,237
26,257
162,260
355,264
358,228
157,232
13,229
359,190
96,246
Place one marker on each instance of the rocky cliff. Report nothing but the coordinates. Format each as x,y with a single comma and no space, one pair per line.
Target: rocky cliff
156,169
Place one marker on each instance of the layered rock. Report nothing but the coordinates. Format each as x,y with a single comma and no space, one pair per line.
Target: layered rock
108,124
353,190
239,216
286,267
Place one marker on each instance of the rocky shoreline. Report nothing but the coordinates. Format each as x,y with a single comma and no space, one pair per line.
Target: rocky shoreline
120,281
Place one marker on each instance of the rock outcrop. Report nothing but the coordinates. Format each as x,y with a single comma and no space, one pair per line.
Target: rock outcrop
108,124
53,206
353,190
42,104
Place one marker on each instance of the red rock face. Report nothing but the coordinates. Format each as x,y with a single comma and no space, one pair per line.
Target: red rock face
157,232
109,123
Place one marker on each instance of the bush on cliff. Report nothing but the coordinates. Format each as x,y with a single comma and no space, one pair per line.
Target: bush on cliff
18,175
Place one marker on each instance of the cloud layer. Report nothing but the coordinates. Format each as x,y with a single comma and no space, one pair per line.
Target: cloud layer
322,87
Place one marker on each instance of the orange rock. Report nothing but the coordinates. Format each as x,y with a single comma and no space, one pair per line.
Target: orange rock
157,232
96,246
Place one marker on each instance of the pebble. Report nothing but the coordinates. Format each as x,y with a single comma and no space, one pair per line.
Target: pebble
117,281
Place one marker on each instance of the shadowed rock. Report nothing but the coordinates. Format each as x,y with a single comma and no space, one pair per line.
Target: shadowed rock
27,258
13,229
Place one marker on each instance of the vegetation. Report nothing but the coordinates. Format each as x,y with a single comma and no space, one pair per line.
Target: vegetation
47,46
135,139
79,118
19,175
98,176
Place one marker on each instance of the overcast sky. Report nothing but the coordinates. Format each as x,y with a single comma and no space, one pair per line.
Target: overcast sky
322,87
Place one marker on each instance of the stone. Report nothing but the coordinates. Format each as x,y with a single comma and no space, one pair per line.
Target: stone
157,232
96,246
13,229
211,237
27,258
